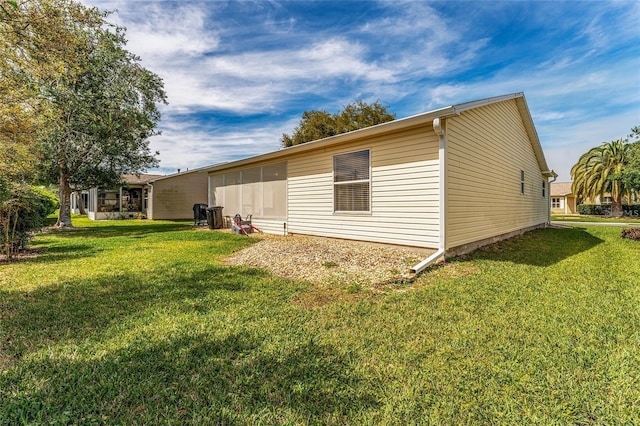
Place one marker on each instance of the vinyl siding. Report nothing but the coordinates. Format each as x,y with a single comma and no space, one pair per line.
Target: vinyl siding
487,147
270,225
174,197
404,191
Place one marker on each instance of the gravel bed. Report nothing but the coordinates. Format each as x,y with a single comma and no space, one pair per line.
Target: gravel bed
329,261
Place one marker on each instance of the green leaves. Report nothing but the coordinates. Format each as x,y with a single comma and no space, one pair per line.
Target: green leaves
611,168
76,107
6,7
316,125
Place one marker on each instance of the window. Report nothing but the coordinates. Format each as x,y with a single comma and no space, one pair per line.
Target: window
522,181
555,203
351,182
108,201
544,189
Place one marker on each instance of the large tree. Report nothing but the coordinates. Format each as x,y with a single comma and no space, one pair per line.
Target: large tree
316,125
102,104
22,110
598,172
630,175
27,57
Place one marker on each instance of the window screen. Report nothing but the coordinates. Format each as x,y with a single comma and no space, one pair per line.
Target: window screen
352,183
252,192
232,193
274,181
258,191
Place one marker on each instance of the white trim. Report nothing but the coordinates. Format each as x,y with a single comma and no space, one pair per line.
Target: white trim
334,183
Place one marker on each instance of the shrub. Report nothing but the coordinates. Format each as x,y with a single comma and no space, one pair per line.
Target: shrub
605,209
595,209
631,210
23,211
631,234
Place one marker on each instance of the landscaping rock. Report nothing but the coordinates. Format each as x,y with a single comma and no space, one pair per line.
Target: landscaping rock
330,261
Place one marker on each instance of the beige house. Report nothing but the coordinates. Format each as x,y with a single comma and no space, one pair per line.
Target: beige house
172,197
147,195
563,200
451,180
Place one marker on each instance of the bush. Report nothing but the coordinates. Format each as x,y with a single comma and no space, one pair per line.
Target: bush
631,210
605,209
23,211
631,234
595,209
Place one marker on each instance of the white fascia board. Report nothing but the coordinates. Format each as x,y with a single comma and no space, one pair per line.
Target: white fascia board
400,124
379,129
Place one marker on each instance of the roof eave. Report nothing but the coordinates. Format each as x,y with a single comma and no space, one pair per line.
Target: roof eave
379,129
531,131
403,123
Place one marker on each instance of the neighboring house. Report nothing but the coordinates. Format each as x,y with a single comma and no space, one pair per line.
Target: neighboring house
172,197
147,195
451,179
563,200
128,201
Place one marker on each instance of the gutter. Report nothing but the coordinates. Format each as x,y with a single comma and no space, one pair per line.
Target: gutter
442,165
554,175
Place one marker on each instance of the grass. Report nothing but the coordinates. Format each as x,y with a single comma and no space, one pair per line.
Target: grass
581,218
133,322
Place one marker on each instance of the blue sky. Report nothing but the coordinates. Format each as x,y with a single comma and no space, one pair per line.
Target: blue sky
239,74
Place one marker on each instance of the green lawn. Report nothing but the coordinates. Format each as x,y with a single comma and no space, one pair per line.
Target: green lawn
135,322
580,218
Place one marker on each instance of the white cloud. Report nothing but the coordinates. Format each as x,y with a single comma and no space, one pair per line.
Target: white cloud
412,56
185,143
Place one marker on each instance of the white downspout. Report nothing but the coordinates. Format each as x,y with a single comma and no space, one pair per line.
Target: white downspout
442,164
554,175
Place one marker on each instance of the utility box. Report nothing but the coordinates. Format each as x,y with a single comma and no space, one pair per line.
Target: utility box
214,217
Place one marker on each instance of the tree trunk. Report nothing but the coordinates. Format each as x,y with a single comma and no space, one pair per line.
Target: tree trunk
64,217
616,206
6,234
80,202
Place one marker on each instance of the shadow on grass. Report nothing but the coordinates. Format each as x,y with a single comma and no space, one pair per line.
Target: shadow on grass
108,231
541,247
224,372
77,309
197,379
63,253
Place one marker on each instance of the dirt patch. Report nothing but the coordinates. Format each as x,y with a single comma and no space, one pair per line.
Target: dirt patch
25,254
631,234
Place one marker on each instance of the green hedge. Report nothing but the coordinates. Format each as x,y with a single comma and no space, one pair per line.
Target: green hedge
23,210
605,209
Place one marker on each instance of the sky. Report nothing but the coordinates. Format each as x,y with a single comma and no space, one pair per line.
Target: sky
239,74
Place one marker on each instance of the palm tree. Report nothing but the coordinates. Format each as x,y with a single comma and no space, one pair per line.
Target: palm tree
598,172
